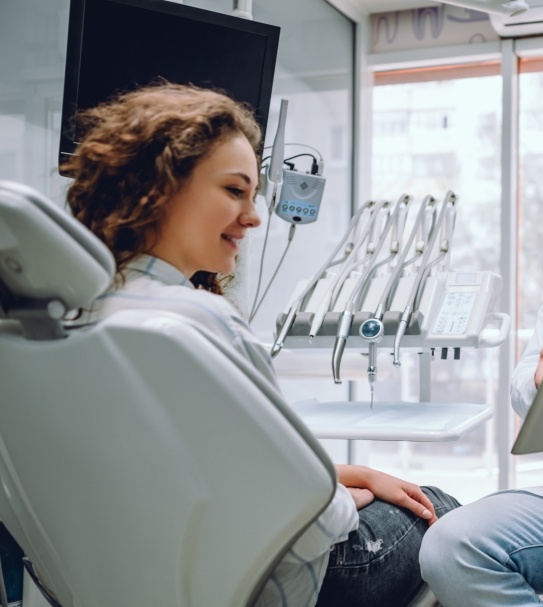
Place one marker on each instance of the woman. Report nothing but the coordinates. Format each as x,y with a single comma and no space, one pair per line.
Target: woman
166,176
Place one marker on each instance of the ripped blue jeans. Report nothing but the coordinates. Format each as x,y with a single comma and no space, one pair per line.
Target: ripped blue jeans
378,565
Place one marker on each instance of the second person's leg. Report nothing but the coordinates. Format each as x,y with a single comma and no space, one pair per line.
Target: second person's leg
488,553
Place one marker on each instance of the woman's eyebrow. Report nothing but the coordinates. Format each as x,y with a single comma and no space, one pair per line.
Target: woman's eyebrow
244,176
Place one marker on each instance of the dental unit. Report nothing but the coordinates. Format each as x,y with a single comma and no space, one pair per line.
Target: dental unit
393,288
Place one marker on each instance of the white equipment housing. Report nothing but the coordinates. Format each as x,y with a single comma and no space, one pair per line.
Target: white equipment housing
529,23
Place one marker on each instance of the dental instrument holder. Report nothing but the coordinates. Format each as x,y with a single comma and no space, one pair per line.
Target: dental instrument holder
454,311
439,328
450,310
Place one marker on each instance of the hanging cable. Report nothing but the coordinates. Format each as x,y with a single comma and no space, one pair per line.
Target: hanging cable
257,306
261,267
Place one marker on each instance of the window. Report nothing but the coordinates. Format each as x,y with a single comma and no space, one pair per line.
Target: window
449,140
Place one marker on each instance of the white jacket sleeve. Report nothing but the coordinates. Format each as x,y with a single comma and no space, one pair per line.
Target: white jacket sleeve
523,389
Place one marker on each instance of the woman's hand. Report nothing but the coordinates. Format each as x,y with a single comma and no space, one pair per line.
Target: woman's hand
361,497
389,489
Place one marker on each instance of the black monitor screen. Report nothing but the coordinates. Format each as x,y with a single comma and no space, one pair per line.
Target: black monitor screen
119,45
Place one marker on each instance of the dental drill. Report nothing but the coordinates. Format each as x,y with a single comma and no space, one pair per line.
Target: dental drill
372,331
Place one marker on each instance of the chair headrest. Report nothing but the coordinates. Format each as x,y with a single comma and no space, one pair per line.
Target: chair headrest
46,255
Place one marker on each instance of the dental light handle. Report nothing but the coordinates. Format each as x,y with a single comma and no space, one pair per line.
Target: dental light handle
344,326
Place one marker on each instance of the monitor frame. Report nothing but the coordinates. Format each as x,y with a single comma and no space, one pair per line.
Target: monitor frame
76,31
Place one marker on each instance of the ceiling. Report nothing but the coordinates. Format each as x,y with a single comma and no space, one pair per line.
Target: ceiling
381,6
358,8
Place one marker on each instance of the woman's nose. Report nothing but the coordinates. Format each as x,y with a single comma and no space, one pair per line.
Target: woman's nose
250,218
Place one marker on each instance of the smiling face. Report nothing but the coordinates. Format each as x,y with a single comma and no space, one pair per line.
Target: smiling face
205,220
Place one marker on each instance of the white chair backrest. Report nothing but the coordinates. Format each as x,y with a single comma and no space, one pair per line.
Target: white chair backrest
142,464
45,254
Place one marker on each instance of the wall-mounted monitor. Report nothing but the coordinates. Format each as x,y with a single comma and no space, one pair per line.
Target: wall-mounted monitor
118,45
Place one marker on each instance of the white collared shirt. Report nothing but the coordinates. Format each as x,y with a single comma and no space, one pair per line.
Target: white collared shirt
153,283
523,388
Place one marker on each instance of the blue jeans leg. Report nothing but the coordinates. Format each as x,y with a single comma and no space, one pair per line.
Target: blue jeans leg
378,564
488,553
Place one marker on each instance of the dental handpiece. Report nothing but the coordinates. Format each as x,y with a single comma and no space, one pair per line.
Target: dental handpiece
372,331
404,321
285,328
344,326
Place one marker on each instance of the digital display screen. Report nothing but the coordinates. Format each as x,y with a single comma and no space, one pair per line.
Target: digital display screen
119,45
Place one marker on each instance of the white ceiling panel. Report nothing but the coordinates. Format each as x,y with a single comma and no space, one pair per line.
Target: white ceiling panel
359,8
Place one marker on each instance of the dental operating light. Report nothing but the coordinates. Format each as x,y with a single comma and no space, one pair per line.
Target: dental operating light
497,7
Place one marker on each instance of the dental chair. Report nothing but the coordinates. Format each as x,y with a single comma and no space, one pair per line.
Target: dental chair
140,463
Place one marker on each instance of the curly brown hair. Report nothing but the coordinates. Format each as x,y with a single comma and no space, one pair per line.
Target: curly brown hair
134,153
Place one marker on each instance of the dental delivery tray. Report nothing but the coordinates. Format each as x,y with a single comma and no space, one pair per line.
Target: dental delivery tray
456,309
421,421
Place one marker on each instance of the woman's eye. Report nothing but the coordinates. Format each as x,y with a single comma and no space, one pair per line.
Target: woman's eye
235,191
